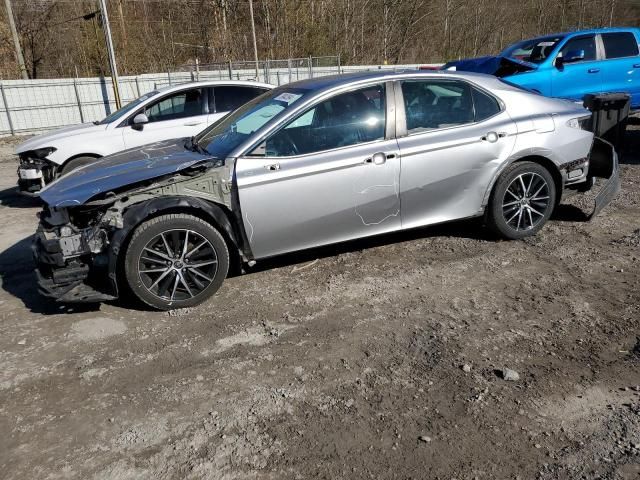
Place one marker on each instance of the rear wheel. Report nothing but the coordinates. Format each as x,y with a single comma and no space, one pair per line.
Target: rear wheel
522,201
176,261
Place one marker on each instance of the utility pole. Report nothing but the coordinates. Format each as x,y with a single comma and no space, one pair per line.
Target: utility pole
16,40
253,33
112,56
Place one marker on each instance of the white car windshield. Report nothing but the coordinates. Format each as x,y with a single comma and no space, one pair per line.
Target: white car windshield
126,109
227,134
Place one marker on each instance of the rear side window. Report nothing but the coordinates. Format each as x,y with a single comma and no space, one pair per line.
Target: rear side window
485,105
228,98
586,44
432,104
620,44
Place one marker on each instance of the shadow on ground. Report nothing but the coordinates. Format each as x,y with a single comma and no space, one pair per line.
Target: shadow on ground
11,197
19,279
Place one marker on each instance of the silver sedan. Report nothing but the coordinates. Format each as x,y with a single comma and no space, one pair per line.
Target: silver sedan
311,163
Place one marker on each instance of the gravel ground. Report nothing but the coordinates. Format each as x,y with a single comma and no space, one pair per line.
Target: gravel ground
439,353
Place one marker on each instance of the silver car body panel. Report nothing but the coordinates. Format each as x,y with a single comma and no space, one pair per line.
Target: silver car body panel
292,203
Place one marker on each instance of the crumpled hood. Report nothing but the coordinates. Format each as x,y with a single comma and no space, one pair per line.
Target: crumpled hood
119,170
48,139
492,65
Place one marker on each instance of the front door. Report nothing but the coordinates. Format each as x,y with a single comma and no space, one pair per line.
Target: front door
457,137
330,175
580,71
180,114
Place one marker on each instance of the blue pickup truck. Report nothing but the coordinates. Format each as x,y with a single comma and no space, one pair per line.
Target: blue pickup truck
569,65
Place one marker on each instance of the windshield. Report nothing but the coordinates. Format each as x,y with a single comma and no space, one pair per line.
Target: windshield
127,108
225,135
535,50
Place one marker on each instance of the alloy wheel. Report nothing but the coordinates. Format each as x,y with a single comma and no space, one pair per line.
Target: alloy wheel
526,201
177,265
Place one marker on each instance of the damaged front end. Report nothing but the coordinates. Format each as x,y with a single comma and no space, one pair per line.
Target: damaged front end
35,170
91,212
71,255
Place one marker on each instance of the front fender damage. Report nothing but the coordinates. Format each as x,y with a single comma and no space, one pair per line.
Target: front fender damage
78,249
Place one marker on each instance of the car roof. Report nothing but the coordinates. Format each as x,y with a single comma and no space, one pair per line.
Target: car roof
584,32
214,83
328,82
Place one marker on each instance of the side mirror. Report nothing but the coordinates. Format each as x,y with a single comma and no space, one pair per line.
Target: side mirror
139,120
573,56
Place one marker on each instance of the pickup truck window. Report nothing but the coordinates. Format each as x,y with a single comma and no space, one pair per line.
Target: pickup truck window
535,50
586,44
620,44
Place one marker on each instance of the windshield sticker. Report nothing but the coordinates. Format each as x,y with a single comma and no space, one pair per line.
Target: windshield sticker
289,98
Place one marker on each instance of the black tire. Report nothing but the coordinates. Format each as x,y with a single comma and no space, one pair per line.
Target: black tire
518,207
74,163
188,280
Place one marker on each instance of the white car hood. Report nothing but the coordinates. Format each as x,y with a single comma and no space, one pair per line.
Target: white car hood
49,139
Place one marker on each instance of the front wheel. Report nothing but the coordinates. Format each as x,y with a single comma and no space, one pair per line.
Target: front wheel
175,261
522,201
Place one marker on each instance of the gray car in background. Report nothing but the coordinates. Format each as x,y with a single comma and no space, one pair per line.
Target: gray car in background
311,163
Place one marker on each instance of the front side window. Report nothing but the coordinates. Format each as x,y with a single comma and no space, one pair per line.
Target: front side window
432,104
579,45
346,119
183,104
620,44
227,98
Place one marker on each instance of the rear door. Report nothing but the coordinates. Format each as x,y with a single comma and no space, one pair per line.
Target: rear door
574,79
457,135
179,114
224,99
621,66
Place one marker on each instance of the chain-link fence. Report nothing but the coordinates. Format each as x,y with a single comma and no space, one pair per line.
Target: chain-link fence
33,106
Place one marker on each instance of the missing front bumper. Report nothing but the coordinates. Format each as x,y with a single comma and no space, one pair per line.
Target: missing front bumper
65,278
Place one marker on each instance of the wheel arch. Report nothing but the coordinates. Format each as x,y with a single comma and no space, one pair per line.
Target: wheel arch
545,162
217,215
79,155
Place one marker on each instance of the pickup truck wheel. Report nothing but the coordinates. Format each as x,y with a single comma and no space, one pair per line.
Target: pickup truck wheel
76,163
522,201
175,261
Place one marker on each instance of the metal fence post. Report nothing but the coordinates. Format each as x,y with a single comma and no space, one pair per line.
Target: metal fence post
169,77
289,68
310,67
266,72
230,71
6,109
278,76
339,64
75,87
137,85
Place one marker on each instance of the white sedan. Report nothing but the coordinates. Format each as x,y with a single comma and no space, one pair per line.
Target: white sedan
171,112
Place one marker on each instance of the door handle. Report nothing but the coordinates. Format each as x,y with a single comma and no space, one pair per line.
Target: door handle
273,167
636,65
378,158
492,137
192,124
593,70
